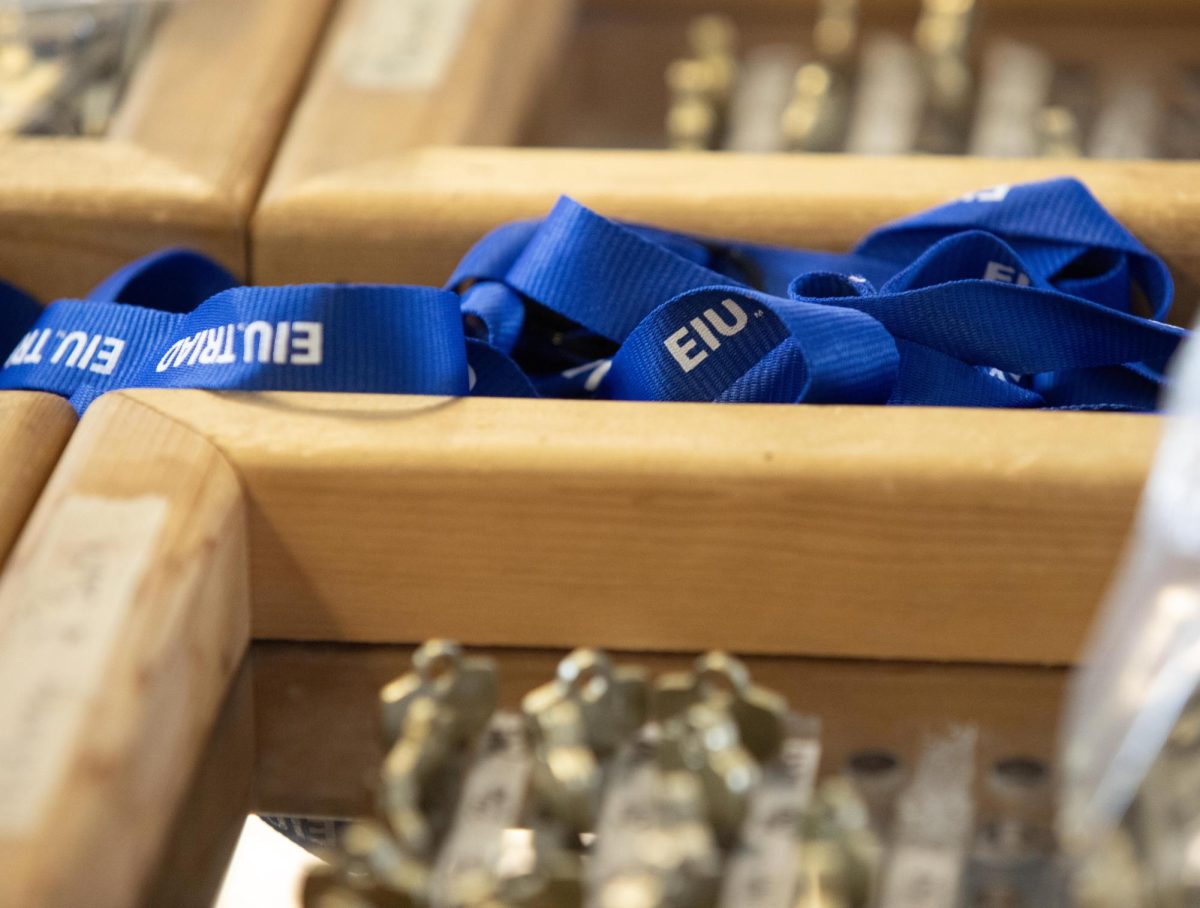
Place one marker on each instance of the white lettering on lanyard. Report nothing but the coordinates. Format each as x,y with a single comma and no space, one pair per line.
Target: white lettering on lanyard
998,271
681,344
992,194
277,343
97,353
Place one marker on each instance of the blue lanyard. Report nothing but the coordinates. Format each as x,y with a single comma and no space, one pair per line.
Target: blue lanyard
18,312
1015,296
100,341
1062,234
313,338
1020,296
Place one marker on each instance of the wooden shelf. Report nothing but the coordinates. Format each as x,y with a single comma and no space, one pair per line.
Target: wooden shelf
34,429
915,535
111,693
318,735
899,533
392,186
185,157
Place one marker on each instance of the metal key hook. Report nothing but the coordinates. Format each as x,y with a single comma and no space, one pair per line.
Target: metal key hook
467,685
720,675
720,679
585,674
437,662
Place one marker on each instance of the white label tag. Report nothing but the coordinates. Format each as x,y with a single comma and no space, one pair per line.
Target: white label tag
1173,491
629,811
761,873
59,619
490,805
404,45
922,876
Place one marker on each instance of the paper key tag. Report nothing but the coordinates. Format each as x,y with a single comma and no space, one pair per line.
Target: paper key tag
404,45
60,616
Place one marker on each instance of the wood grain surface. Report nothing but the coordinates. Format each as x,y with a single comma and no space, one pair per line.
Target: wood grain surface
928,534
34,429
507,50
134,731
185,158
208,824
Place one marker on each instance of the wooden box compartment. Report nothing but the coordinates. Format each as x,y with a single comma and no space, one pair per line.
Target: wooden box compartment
393,179
182,163
915,535
183,159
596,98
298,739
905,533
180,525
34,429
887,533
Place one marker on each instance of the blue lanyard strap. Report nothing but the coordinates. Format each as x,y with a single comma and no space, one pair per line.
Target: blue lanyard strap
18,312
311,338
1019,296
321,337
945,301
76,343
729,344
1063,235
170,280
1016,296
599,274
101,341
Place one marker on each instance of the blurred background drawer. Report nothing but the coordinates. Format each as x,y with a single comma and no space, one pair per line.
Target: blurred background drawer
391,174
180,162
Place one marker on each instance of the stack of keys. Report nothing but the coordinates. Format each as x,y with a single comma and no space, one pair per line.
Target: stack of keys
480,807
604,790
943,89
723,768
1011,861
926,862
699,790
700,85
815,119
695,790
431,718
943,40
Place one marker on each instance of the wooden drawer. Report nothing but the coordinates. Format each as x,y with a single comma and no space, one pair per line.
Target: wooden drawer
342,518
299,734
182,164
34,429
183,161
377,184
892,533
926,534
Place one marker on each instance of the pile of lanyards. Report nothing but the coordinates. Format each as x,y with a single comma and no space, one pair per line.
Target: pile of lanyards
1016,296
